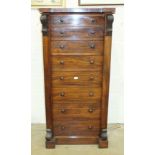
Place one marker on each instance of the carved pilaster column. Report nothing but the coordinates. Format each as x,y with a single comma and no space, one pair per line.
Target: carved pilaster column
44,21
109,21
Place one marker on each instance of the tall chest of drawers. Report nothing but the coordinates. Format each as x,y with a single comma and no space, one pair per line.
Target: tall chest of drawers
77,51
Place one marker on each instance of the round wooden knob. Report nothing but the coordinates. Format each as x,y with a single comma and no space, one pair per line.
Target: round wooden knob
61,78
90,110
92,46
62,46
93,21
92,32
61,62
62,127
91,78
91,94
91,61
62,94
63,110
61,32
61,20
90,127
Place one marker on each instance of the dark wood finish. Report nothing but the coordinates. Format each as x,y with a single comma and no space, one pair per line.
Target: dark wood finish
77,33
68,112
44,21
78,94
106,79
78,128
109,21
76,47
76,140
72,79
77,10
103,143
76,63
77,20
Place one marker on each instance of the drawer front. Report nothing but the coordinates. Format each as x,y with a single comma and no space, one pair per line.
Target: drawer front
77,20
77,63
71,104
76,128
77,47
71,79
77,33
76,112
78,94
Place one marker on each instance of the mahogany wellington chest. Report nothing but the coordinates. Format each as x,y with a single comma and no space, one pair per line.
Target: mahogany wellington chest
77,50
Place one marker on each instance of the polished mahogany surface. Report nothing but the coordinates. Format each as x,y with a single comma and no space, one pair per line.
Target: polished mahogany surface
77,51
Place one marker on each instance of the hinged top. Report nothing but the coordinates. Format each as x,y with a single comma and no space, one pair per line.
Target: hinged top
78,10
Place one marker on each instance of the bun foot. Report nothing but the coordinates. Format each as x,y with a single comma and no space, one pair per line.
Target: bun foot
50,144
103,143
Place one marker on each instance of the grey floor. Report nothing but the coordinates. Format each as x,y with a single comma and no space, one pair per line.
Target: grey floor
116,143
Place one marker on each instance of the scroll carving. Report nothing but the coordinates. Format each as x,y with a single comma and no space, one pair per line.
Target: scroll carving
44,21
110,19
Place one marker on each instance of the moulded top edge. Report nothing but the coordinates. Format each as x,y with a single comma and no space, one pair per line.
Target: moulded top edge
77,10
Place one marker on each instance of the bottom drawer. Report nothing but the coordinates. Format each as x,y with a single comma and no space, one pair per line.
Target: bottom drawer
76,128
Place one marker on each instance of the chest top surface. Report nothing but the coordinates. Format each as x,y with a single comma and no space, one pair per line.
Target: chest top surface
78,10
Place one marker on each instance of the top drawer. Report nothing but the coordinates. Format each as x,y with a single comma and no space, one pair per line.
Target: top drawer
77,20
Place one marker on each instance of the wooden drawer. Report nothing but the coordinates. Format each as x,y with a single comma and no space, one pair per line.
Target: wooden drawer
76,111
76,104
79,94
77,33
71,79
77,63
77,48
77,20
76,128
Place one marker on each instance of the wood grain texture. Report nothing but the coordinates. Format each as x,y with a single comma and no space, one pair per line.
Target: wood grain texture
77,63
77,47
46,79
76,140
77,51
76,128
106,80
65,113
77,20
78,94
78,79
77,33
77,10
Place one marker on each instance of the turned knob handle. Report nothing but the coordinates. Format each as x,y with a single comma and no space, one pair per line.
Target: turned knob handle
91,94
93,21
92,46
62,127
62,94
91,78
91,61
61,78
90,127
61,32
61,20
62,46
61,62
92,32
63,110
90,110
